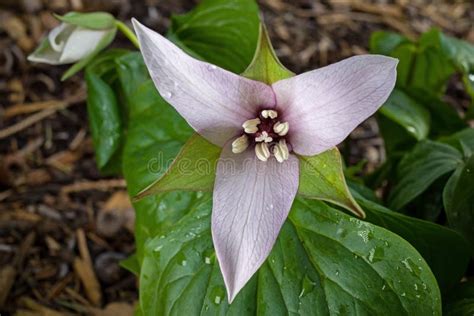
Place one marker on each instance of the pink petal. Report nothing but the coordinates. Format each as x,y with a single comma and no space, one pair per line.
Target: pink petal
214,101
251,199
324,105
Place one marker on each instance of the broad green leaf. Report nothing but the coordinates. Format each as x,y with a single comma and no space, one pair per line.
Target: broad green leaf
460,52
458,198
323,263
93,20
132,72
105,111
461,139
384,43
421,167
445,250
321,177
460,301
422,64
444,118
222,32
396,139
104,119
413,117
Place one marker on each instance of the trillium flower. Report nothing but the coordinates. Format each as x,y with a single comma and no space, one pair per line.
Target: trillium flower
261,129
78,37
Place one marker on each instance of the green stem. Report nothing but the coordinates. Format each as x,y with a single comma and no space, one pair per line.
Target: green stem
128,33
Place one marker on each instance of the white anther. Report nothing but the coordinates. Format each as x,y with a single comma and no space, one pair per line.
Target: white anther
250,126
262,151
264,138
240,144
280,151
281,128
269,114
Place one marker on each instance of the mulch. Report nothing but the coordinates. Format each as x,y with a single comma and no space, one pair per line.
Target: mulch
63,226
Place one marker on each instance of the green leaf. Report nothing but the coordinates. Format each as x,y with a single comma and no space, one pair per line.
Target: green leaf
460,52
464,138
458,198
422,65
421,167
323,263
155,135
222,32
413,117
104,119
460,301
384,43
321,177
93,20
445,250
444,118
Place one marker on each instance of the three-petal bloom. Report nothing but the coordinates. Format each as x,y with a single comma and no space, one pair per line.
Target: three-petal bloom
261,128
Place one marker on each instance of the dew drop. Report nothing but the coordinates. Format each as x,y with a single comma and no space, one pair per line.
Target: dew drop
337,272
158,248
364,234
207,260
341,232
184,263
411,129
403,294
371,255
383,287
471,77
217,293
167,95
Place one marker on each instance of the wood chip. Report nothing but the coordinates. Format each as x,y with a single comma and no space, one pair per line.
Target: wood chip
85,271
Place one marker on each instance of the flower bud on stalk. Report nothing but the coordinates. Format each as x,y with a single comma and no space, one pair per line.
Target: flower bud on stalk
77,39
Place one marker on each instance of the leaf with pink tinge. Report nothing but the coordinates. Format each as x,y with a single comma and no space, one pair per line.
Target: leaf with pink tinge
250,204
214,101
324,105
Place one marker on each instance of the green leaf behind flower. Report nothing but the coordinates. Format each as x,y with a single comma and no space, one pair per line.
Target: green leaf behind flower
458,198
222,32
420,168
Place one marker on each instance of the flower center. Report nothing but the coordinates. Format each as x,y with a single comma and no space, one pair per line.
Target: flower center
267,134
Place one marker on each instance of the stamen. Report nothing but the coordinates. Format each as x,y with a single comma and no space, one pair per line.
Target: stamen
281,128
280,151
250,126
269,114
262,151
264,138
240,144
